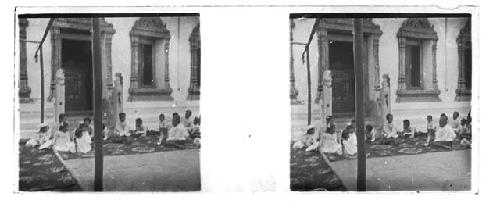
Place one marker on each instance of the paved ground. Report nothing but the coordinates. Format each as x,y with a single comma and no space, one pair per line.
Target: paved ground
160,171
437,171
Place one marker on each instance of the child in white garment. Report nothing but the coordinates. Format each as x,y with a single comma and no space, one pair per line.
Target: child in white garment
431,130
455,123
389,130
329,142
308,139
122,128
82,139
350,141
62,139
162,128
43,136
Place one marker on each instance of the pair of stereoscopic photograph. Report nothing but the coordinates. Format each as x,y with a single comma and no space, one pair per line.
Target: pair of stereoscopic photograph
111,102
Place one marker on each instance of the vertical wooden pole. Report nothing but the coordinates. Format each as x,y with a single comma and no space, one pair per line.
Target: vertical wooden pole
42,89
97,70
360,109
309,112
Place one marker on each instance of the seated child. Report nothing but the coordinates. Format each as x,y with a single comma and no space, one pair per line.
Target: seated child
370,133
349,141
431,129
389,130
444,133
57,127
88,123
162,128
82,139
408,131
308,139
62,139
43,136
329,142
140,130
454,123
187,120
122,128
178,132
195,131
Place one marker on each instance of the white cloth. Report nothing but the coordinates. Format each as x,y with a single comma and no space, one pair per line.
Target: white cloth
122,128
305,141
62,142
444,134
40,139
390,130
83,143
330,143
178,133
187,122
351,144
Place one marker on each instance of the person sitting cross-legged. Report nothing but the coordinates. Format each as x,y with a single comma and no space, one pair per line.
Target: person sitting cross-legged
389,130
349,141
444,133
370,133
408,131
329,142
140,130
122,128
82,139
177,132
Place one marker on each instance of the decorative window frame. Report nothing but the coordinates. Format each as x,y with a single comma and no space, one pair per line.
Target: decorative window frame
416,29
148,28
195,46
463,42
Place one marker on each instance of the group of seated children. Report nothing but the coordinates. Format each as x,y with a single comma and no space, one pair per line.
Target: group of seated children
179,130
59,137
329,142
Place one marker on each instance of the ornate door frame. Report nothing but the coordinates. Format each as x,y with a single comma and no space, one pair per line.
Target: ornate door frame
345,26
82,24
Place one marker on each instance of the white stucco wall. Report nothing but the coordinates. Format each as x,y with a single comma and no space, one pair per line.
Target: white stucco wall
446,61
179,62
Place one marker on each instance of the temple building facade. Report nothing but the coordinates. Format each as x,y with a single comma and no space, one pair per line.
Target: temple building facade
413,67
150,65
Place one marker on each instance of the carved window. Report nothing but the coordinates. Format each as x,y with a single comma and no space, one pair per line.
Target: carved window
417,61
149,77
463,90
194,85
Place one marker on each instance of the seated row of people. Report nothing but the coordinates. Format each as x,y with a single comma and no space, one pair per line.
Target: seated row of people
180,128
329,142
59,137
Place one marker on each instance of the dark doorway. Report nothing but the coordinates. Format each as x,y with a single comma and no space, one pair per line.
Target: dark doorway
341,62
76,58
413,66
146,61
